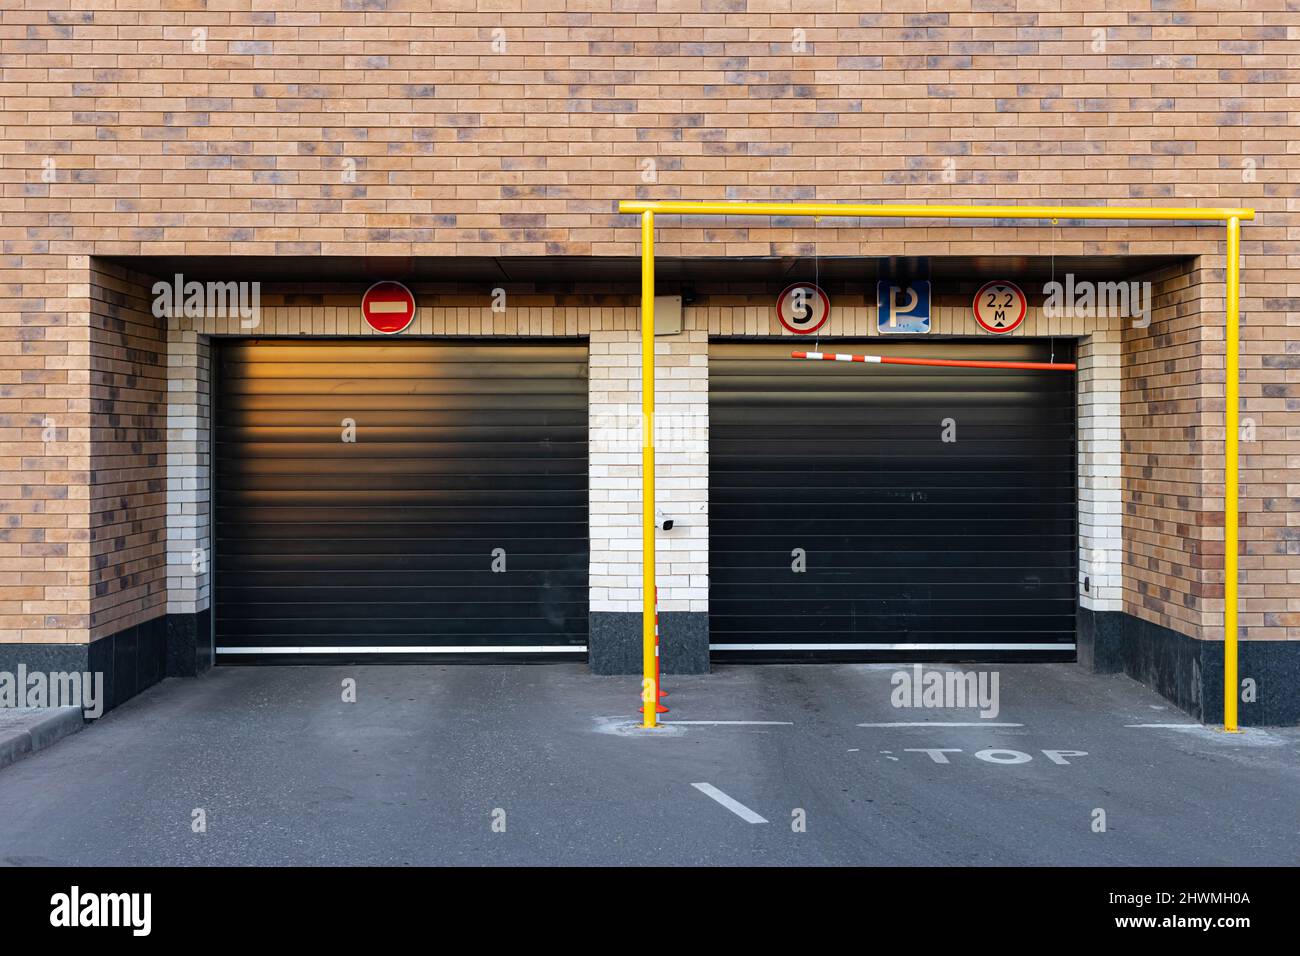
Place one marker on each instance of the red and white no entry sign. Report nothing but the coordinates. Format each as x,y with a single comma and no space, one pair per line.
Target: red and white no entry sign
803,308
999,306
388,307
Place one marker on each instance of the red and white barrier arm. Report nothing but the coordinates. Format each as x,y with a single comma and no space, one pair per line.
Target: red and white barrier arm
944,363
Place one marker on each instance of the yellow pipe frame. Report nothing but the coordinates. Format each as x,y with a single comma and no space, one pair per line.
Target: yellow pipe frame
1231,472
1232,340
649,673
825,210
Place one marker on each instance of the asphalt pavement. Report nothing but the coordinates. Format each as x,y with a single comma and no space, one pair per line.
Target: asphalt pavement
544,764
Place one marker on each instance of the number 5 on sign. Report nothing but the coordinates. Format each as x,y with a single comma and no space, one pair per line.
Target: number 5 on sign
903,308
803,308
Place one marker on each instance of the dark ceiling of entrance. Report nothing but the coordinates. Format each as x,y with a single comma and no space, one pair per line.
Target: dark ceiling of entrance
603,273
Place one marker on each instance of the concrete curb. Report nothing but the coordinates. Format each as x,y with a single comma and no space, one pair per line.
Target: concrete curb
29,729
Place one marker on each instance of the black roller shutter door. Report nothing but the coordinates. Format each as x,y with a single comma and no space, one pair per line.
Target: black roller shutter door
385,545
916,548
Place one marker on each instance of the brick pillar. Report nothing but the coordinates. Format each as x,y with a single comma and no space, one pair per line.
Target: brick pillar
189,548
1101,544
681,477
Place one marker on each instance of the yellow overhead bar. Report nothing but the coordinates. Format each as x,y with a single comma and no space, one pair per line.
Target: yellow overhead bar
830,210
1232,217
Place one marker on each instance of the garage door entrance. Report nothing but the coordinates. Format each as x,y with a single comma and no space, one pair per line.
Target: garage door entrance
400,499
932,510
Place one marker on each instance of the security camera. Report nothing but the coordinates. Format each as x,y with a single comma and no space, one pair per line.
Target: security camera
663,520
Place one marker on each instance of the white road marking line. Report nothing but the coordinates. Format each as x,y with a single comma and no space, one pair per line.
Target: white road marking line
415,649
940,723
732,723
891,647
1165,726
739,809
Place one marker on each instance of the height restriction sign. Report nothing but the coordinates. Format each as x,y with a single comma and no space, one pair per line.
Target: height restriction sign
388,307
999,306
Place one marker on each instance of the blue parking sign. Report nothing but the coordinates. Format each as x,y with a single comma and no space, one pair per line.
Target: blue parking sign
902,308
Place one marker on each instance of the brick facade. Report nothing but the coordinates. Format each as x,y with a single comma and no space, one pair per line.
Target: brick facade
45,449
128,453
1173,459
396,128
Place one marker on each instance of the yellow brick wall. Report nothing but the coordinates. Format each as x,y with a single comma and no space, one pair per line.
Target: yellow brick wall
45,448
128,493
1173,459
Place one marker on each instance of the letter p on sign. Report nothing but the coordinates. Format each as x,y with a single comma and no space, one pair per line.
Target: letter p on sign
902,308
895,308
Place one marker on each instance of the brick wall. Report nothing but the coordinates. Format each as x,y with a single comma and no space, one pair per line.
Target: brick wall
452,127
404,128
81,406
1173,458
128,464
45,457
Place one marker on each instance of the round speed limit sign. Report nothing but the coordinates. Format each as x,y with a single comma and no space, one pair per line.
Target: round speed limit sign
999,306
803,308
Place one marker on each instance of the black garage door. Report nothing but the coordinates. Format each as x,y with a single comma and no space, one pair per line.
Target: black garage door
913,547
467,457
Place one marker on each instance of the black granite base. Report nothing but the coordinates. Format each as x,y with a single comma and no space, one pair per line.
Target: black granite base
1099,640
133,659
614,642
1189,673
189,644
46,658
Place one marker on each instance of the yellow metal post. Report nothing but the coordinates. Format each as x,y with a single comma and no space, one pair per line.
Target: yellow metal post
649,686
1231,433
